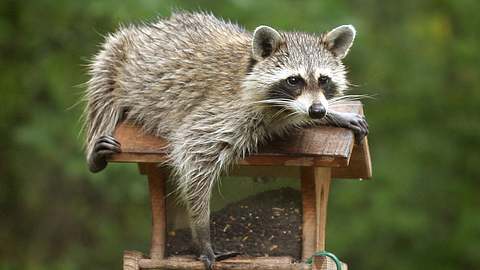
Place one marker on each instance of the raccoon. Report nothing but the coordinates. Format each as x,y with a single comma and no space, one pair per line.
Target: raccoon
216,92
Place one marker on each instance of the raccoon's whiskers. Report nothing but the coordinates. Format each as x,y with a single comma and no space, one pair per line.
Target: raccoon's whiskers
341,104
279,113
347,98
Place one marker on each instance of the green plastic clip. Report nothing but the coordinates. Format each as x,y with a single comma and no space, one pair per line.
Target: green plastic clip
328,254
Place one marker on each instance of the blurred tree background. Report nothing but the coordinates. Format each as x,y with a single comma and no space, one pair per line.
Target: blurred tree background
419,58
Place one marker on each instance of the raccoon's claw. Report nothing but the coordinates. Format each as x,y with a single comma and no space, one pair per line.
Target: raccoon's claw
104,147
210,258
220,256
353,121
358,124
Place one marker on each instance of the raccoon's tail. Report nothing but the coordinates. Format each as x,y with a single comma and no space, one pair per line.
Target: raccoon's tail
103,111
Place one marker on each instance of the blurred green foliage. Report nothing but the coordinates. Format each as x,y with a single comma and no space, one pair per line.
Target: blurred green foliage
419,58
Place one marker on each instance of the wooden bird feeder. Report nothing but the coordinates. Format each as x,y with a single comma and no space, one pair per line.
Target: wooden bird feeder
318,154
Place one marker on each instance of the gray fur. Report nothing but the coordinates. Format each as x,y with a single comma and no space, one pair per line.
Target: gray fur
196,81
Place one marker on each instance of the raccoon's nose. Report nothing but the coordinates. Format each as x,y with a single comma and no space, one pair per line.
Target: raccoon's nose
317,111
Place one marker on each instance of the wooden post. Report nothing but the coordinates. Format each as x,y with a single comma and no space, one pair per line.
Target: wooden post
156,186
315,185
308,212
323,177
325,263
131,260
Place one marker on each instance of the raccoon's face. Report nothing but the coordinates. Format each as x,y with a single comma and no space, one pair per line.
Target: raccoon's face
299,72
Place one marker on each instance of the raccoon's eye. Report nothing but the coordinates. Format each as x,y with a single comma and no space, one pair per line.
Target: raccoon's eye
294,80
323,80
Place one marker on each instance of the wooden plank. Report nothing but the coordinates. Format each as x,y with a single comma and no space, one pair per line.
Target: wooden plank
318,146
314,141
323,178
254,160
307,148
266,171
237,263
308,212
330,142
156,185
360,164
131,260
134,260
315,188
135,141
272,159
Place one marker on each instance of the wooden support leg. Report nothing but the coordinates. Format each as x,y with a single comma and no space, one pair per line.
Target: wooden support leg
131,260
323,177
156,185
315,184
308,213
325,263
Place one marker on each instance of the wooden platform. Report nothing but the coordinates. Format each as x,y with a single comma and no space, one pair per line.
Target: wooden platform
322,146
313,155
134,260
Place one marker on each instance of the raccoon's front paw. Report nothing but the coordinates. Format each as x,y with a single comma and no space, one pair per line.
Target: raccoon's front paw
358,124
104,147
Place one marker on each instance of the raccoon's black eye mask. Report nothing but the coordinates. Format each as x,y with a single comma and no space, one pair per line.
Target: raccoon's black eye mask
323,80
295,81
289,88
328,86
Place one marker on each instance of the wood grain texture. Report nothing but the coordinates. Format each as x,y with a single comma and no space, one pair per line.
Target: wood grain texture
325,263
308,212
360,164
323,177
322,146
156,186
131,260
237,263
315,187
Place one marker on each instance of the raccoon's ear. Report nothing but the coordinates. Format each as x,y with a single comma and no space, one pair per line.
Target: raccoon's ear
340,39
266,41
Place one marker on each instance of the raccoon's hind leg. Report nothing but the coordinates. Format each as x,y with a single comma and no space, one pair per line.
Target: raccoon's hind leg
196,191
104,146
197,167
206,253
